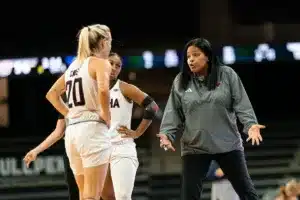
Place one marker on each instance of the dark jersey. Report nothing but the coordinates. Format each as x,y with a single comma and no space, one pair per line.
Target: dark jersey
60,116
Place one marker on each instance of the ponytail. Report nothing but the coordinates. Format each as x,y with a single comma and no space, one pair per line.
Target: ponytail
88,41
83,51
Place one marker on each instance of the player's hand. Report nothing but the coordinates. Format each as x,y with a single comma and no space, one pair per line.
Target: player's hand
30,156
165,143
254,134
127,133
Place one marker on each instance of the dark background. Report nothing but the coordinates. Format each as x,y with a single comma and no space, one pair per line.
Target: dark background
38,29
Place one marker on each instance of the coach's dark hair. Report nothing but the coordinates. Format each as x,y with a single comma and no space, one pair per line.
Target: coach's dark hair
213,64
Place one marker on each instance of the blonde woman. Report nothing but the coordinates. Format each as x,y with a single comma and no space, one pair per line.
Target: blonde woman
86,83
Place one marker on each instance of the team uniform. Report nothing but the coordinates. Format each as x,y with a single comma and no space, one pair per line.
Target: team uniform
124,161
87,142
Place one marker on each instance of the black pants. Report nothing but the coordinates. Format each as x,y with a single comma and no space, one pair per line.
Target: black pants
234,166
70,180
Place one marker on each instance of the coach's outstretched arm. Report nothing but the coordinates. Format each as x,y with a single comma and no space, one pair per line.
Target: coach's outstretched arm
54,96
172,120
133,93
244,110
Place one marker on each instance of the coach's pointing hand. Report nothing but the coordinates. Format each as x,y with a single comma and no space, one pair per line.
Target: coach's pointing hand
165,142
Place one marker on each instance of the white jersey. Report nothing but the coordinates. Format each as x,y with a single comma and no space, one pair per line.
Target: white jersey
81,91
121,112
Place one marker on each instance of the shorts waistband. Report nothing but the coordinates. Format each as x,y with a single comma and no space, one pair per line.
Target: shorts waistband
78,122
86,116
121,142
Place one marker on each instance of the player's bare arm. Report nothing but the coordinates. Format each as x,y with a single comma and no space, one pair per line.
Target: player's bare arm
53,96
55,136
142,99
101,72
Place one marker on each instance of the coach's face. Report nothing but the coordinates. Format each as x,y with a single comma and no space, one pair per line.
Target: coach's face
196,59
116,64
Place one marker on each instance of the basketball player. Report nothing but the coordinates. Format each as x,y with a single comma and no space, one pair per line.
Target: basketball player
124,157
88,146
124,162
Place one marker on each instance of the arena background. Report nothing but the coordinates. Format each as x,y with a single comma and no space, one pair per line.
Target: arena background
259,39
